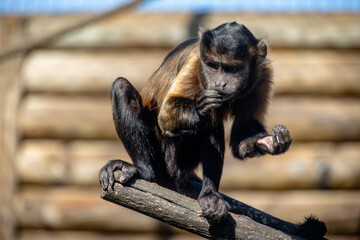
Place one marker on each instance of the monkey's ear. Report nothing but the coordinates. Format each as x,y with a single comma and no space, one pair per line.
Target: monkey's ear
201,32
262,48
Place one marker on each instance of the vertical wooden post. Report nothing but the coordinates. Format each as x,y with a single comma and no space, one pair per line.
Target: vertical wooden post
10,92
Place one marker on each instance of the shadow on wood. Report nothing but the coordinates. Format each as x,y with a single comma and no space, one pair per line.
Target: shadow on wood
243,221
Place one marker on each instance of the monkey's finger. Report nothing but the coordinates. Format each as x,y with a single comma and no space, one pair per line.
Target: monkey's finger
210,94
214,93
281,138
207,104
209,99
275,142
287,137
204,110
208,107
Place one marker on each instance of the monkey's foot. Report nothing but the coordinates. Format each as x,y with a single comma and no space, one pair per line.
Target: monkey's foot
106,174
214,207
279,142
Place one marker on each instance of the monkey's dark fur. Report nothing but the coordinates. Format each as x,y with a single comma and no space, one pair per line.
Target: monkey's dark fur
177,120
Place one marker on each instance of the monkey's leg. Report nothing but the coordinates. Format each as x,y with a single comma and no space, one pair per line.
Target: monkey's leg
135,128
213,206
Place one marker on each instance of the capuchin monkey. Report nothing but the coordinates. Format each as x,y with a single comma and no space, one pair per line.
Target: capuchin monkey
177,120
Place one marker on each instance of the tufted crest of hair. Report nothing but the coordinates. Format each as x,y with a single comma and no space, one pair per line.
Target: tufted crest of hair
228,39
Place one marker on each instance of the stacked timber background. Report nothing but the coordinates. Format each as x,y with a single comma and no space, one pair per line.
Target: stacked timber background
66,134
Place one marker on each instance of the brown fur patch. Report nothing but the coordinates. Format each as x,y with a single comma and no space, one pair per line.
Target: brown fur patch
155,90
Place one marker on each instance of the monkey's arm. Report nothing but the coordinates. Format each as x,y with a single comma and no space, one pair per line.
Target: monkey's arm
177,116
249,139
186,105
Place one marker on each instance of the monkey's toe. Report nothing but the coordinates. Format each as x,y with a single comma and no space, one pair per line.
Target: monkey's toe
103,179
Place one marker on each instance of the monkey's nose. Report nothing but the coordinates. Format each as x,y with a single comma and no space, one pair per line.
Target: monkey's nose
220,84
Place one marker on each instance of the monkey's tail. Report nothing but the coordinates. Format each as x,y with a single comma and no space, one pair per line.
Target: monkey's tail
312,229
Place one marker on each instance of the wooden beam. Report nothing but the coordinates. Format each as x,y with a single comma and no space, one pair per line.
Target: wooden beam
183,212
10,92
150,29
308,118
43,40
321,72
29,234
325,165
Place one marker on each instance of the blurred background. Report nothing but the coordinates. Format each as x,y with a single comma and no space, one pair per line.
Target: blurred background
59,57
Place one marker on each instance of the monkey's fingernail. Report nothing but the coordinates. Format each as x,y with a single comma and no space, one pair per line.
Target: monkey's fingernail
122,179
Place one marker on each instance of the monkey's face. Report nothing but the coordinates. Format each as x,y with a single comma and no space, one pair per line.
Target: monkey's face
229,55
228,76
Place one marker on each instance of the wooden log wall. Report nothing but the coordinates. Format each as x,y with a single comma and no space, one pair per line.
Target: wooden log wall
67,131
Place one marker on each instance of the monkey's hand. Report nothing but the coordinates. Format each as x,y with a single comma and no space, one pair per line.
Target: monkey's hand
279,142
106,174
213,206
207,100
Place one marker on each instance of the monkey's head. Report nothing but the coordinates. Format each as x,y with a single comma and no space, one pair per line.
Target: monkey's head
230,56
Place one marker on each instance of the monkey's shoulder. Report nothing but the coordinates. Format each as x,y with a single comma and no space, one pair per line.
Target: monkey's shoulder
181,47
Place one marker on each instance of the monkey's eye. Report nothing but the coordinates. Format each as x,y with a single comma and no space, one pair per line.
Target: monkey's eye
231,69
213,66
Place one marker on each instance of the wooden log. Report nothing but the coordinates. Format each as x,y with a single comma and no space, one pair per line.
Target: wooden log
309,119
66,117
317,119
89,71
298,30
75,208
323,72
325,165
89,235
184,213
69,235
79,208
42,40
57,162
11,30
150,29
